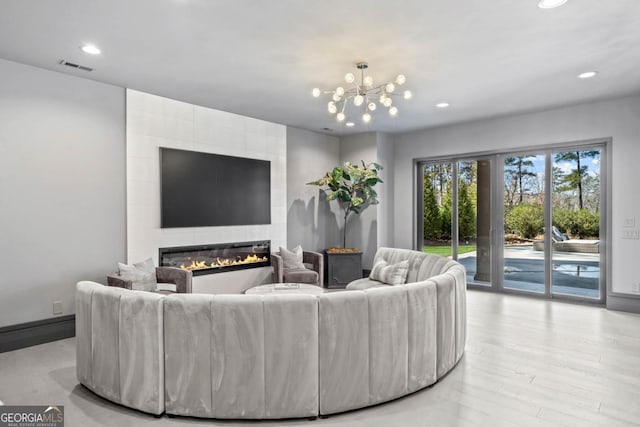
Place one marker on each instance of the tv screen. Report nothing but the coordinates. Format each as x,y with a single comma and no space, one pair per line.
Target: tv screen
203,189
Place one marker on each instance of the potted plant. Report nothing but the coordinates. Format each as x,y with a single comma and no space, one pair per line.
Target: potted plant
352,186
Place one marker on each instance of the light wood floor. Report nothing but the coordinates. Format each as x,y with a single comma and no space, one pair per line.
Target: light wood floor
528,362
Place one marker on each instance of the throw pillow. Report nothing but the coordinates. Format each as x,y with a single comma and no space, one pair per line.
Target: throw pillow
292,258
391,274
142,275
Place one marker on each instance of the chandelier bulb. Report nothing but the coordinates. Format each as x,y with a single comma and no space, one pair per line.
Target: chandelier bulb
340,91
393,111
408,94
401,79
387,102
316,92
331,106
358,100
349,78
336,97
340,116
366,117
371,106
382,98
390,87
368,81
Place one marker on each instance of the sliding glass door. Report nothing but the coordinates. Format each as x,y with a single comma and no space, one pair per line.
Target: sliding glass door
437,198
523,218
456,214
522,222
575,233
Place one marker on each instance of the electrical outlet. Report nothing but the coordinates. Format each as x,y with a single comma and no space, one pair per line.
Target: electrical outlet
57,307
630,222
631,234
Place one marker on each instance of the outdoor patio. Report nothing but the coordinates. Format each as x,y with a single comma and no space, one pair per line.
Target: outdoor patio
576,274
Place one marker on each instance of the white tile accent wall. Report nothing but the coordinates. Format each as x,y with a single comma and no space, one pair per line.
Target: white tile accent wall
153,122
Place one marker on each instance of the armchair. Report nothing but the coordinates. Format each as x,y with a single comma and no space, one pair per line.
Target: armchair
313,274
176,276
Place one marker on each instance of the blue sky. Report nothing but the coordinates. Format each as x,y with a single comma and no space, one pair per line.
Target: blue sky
593,165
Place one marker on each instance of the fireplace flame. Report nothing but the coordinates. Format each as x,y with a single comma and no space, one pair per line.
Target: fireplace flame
223,262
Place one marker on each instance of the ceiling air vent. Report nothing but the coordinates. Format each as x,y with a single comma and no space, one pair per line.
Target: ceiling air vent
76,66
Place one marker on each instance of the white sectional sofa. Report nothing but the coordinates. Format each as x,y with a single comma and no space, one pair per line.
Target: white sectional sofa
273,356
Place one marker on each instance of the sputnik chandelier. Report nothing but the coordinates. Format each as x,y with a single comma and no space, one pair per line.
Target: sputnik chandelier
363,95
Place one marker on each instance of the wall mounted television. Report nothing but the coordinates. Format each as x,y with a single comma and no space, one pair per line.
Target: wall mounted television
204,189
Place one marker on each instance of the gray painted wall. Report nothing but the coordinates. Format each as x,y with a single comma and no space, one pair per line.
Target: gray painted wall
312,221
616,118
385,190
362,230
62,188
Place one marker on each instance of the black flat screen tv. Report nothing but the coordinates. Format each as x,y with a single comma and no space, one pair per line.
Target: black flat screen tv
204,189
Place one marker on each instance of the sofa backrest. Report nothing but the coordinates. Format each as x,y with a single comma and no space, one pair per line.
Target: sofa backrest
422,266
376,344
241,356
120,345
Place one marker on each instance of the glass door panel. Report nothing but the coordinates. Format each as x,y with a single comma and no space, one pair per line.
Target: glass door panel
474,220
527,222
576,223
524,207
438,208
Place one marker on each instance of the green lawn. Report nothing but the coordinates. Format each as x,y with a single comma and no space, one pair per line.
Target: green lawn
446,250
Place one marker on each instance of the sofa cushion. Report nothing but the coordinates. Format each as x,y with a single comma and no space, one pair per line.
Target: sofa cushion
295,275
422,266
366,283
391,274
292,258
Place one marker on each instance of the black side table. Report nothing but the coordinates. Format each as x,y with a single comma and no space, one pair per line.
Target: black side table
342,268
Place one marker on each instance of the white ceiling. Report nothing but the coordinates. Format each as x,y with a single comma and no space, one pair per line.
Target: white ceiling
262,58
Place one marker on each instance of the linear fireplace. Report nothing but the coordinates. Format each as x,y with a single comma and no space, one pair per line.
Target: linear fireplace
216,258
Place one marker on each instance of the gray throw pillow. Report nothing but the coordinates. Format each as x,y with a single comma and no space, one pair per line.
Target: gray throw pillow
142,275
292,258
391,274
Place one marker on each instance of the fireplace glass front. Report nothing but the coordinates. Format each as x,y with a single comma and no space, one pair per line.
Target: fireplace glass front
219,257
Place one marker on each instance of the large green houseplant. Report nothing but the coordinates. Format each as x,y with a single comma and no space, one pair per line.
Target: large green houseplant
352,186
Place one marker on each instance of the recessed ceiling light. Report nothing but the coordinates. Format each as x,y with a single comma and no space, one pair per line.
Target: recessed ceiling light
442,105
550,4
91,49
350,124
588,75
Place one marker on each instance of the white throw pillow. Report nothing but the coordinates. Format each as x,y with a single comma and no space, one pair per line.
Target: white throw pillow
142,275
292,258
391,274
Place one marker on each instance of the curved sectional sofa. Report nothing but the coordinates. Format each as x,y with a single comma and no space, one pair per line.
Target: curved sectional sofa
273,356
